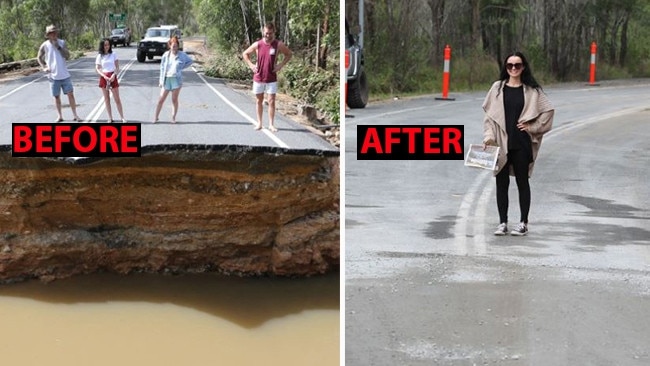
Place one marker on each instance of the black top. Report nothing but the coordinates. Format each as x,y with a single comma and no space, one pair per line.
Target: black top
513,104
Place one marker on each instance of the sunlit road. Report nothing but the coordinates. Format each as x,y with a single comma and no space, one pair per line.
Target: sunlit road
428,284
210,113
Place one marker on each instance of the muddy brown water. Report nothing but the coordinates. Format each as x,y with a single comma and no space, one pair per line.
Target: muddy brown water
107,319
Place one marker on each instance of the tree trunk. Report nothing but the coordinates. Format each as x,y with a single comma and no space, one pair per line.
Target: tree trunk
437,8
623,51
612,41
476,24
323,49
247,30
260,11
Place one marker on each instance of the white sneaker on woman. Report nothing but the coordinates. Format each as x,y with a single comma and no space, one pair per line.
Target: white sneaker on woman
520,230
502,229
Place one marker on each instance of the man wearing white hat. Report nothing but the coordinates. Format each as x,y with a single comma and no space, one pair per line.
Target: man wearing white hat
51,56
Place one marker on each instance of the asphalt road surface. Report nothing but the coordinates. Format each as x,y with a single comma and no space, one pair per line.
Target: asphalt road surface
210,112
427,283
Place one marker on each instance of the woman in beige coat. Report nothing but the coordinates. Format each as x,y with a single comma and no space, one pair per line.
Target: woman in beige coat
517,115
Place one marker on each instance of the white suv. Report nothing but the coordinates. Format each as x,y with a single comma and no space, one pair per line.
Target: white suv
154,43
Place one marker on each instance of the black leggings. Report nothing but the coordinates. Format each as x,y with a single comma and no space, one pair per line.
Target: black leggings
519,159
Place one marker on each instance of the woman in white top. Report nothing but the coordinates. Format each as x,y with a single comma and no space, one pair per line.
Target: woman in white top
108,67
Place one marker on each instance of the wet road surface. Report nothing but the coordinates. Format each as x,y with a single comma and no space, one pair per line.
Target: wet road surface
427,282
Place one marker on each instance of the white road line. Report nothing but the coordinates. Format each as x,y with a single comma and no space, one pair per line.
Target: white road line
31,82
582,122
462,217
386,114
242,113
480,217
22,86
355,121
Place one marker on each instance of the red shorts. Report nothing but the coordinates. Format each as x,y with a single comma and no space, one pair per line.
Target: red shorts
102,81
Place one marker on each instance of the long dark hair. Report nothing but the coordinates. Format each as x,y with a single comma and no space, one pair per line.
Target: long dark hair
101,46
526,75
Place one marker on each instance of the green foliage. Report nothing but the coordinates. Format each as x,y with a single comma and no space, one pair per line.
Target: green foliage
15,45
225,65
304,25
328,102
306,82
404,41
221,22
85,41
471,73
305,16
639,50
302,81
22,48
312,85
380,84
475,71
605,71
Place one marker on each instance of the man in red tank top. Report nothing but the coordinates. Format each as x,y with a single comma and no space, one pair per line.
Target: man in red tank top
266,68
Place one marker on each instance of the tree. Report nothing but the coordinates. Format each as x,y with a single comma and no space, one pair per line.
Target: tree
555,33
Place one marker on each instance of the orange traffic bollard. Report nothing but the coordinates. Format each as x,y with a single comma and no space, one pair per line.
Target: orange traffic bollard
592,66
347,64
445,75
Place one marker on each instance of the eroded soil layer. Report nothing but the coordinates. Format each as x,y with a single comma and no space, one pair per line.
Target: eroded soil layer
229,209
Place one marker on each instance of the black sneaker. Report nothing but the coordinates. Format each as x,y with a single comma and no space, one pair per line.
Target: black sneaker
520,230
502,229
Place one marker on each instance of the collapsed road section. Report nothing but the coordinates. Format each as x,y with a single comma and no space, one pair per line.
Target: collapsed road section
232,209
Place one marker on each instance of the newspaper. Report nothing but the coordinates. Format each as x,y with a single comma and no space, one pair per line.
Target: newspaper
480,156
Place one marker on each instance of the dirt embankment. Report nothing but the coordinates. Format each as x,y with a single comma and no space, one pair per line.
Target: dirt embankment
235,210
230,210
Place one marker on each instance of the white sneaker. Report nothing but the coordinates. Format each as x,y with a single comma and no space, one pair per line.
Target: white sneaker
502,229
520,230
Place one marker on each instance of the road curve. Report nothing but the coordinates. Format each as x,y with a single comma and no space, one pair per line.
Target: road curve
428,283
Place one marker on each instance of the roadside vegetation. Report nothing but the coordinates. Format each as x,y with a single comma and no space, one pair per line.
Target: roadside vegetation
310,28
404,41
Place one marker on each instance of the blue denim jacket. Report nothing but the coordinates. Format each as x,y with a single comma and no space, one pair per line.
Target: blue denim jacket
184,61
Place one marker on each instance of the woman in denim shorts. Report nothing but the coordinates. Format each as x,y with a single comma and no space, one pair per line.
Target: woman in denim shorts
171,76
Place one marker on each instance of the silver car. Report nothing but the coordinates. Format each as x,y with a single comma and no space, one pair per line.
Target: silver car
120,36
